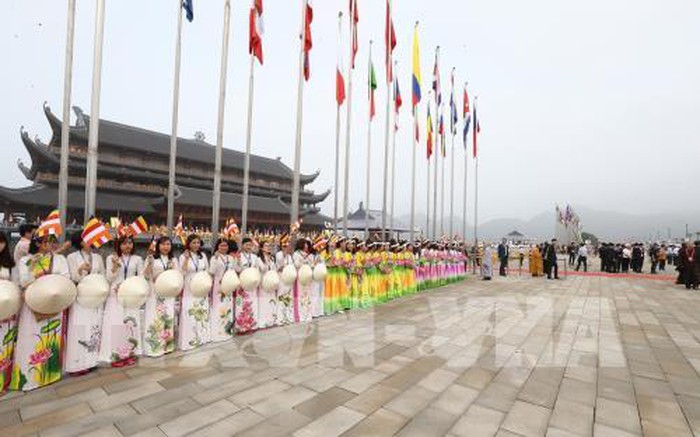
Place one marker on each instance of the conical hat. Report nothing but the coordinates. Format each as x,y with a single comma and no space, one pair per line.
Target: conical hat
289,275
306,275
271,281
93,291
320,273
250,278
133,292
50,294
229,283
201,284
10,302
169,283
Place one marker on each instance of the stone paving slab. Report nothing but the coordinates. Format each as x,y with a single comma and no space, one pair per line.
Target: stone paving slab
585,356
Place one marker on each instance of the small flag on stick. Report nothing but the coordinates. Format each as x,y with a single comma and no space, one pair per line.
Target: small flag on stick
96,233
51,225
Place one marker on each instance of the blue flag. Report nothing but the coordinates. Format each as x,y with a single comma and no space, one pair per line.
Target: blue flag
187,5
467,122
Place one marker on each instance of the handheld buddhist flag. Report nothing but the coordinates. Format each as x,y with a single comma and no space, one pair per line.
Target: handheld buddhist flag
416,79
308,40
96,233
390,42
339,79
51,225
189,9
180,230
232,228
256,28
138,227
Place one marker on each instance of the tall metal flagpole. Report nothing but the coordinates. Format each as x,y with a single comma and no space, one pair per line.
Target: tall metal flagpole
466,164
300,113
476,185
249,133
427,208
452,187
442,189
337,132
386,124
93,138
413,174
393,166
348,127
216,201
437,133
173,133
65,126
369,147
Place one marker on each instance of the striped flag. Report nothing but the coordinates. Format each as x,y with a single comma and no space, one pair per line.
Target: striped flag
96,233
436,78
180,230
454,118
232,228
429,133
398,102
308,40
51,225
256,28
416,79
466,114
138,227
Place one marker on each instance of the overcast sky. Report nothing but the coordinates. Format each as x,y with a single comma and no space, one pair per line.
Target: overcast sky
594,103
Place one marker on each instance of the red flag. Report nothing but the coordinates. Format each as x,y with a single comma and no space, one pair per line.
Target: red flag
95,233
308,41
256,29
390,42
355,17
339,79
138,227
398,101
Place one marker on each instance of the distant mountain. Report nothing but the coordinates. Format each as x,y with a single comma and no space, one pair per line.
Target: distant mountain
606,225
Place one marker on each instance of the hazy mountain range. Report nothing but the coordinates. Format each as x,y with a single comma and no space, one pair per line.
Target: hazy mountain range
606,225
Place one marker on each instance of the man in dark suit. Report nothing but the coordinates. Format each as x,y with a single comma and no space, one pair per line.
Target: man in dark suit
551,256
503,252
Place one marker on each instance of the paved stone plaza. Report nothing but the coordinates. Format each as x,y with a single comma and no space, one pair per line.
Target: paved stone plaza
514,357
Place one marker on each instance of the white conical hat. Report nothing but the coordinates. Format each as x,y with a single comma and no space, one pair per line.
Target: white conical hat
250,278
50,294
201,284
306,275
10,301
93,291
289,275
271,281
320,272
133,292
169,283
229,283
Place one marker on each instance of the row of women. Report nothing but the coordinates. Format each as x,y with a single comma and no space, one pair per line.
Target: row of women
67,315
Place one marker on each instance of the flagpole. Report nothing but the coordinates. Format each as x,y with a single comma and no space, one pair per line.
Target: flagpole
337,134
415,148
393,165
246,166
437,132
300,110
476,180
386,121
428,228
348,124
442,187
452,188
369,146
175,115
464,206
65,126
94,129
216,201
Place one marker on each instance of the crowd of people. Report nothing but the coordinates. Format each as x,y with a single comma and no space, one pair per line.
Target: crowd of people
68,308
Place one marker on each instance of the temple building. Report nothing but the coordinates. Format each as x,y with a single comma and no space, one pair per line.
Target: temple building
132,179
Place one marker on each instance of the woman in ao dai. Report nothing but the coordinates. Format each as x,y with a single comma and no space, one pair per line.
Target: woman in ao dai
159,316
302,294
84,324
8,327
40,337
221,305
285,293
246,306
267,302
194,312
121,326
317,288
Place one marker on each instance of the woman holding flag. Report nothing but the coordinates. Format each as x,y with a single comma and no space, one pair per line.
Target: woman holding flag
84,322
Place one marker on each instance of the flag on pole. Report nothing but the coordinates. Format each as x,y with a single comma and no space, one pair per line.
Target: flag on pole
51,225
475,131
96,233
231,228
441,133
256,28
416,79
429,133
454,118
180,231
308,40
398,102
138,227
466,114
390,41
189,9
436,79
339,79
372,86
355,17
